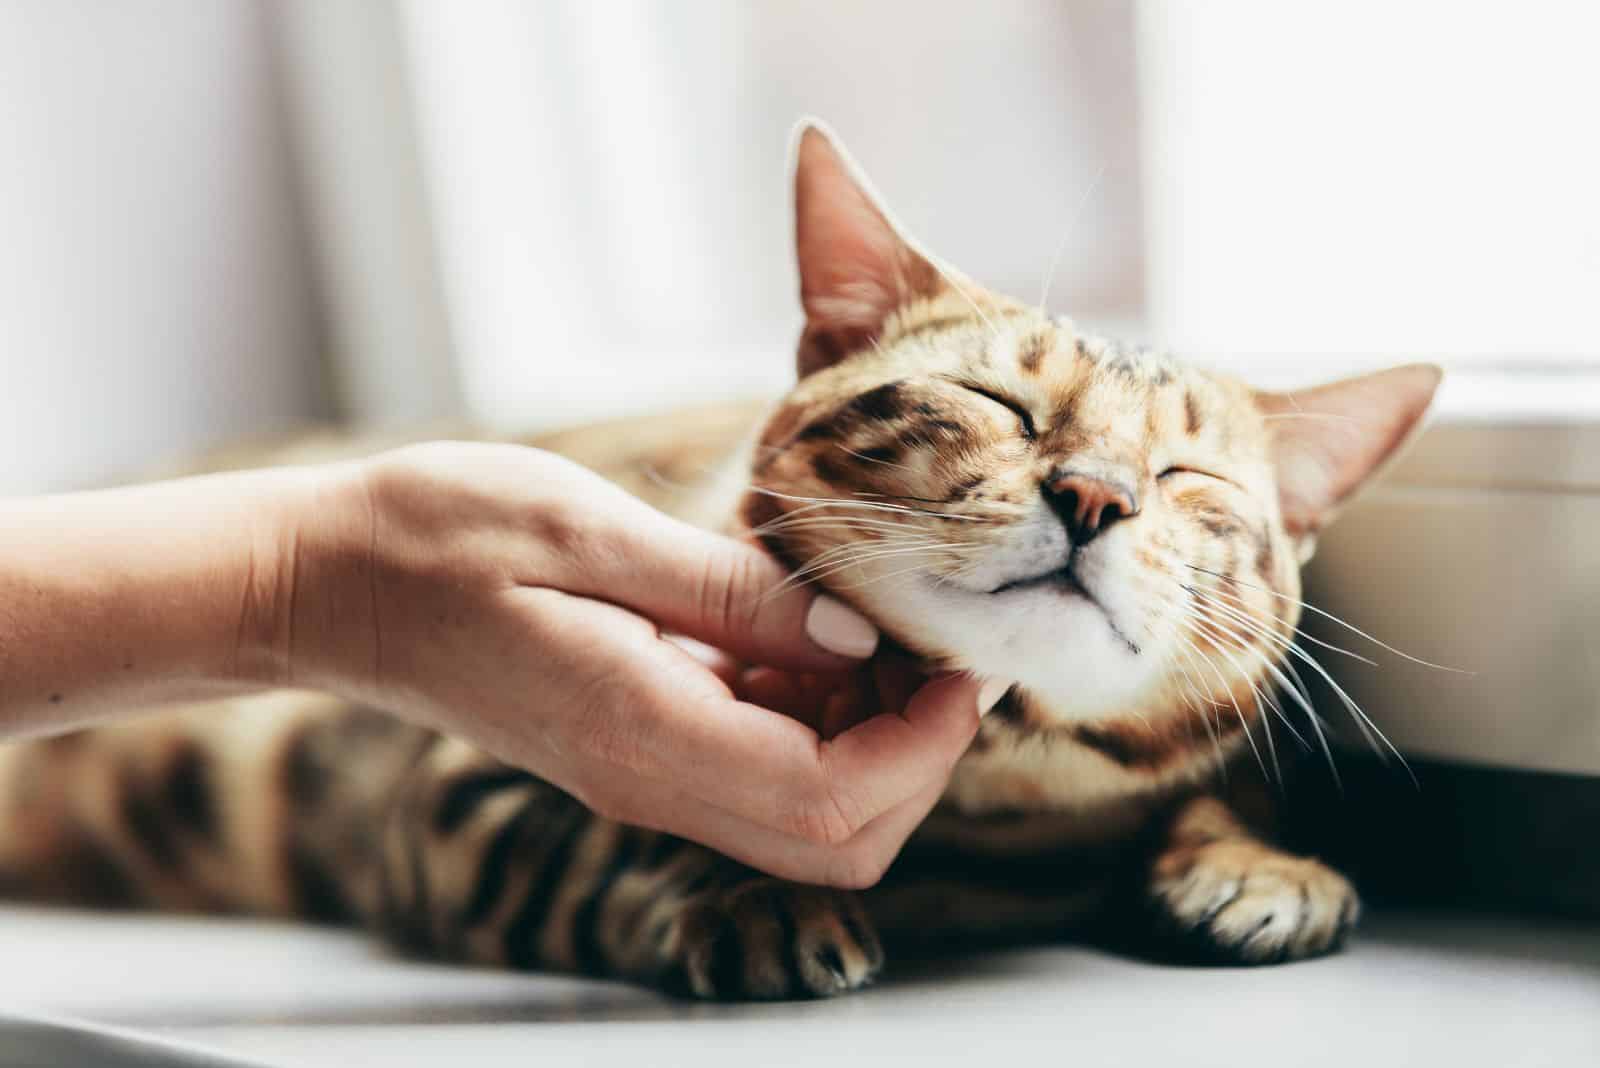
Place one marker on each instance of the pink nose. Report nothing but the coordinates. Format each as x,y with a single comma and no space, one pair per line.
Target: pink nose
1088,505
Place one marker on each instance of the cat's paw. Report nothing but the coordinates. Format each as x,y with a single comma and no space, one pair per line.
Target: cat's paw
768,939
1240,901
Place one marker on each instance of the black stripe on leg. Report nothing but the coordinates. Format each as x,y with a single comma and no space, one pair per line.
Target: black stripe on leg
725,970
586,922
147,821
662,848
318,894
461,798
521,939
189,793
789,936
495,867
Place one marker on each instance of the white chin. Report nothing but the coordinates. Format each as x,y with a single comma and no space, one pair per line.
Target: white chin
1057,646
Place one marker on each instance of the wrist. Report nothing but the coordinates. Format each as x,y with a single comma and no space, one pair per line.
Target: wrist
305,600
124,598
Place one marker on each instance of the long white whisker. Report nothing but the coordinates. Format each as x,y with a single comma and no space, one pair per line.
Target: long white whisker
1249,647
880,578
1228,690
1061,248
1195,624
1196,690
849,524
861,552
842,558
880,506
951,282
1330,616
875,460
1254,627
1362,721
1308,637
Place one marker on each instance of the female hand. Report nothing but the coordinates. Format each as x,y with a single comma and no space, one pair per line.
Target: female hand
512,598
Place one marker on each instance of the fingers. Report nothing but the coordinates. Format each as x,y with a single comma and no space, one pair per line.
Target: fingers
711,658
642,716
736,597
889,757
724,592
855,864
774,771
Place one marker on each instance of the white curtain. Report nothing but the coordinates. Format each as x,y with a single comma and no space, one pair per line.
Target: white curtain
581,208
609,184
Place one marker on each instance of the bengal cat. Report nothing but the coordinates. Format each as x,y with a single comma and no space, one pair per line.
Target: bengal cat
1117,534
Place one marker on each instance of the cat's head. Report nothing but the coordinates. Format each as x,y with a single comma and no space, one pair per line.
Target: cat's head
1110,530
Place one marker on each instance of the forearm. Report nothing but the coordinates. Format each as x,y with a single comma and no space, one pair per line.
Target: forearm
115,600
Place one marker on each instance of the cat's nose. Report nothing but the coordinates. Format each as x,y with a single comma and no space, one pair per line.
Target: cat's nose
1088,504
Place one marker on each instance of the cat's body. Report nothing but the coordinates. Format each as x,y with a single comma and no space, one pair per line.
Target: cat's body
945,452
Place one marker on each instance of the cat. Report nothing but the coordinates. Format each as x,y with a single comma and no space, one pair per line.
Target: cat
1116,534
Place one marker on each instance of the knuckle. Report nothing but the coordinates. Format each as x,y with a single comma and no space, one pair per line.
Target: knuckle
729,593
577,543
858,869
561,528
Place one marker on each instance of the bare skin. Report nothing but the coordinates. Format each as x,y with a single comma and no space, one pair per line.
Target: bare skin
500,594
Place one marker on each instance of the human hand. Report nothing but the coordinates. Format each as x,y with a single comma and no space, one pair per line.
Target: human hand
507,596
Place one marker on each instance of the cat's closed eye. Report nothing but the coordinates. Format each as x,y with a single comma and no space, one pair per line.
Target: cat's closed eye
1181,469
1024,417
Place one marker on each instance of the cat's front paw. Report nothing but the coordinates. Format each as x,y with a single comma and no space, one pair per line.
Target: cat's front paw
767,938
1243,902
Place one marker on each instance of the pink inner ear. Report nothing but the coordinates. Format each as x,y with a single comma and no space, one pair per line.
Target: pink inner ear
1329,440
855,268
848,255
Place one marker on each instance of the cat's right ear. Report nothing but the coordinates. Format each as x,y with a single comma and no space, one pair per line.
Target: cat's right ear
855,267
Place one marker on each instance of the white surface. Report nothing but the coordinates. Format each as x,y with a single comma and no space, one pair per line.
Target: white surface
1411,989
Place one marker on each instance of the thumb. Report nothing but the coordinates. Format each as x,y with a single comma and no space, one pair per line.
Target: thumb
732,595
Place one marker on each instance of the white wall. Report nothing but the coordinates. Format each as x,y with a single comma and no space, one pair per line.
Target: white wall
152,290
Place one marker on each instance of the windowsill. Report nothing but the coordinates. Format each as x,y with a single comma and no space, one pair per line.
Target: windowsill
1533,425
1502,428
1535,394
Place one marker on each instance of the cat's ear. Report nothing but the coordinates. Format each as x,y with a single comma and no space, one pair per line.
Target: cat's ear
1329,440
855,266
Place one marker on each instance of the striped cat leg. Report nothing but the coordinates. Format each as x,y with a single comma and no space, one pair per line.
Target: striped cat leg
184,811
1220,893
486,863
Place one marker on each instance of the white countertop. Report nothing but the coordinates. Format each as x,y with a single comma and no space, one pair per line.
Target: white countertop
1453,990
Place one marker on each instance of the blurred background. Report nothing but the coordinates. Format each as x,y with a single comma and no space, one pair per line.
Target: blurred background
227,219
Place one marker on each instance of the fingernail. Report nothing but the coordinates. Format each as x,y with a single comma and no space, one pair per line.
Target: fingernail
840,629
989,694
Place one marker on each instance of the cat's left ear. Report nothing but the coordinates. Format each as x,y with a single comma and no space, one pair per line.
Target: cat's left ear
1328,441
856,268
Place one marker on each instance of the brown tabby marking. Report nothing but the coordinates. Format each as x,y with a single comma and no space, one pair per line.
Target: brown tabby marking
1191,413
